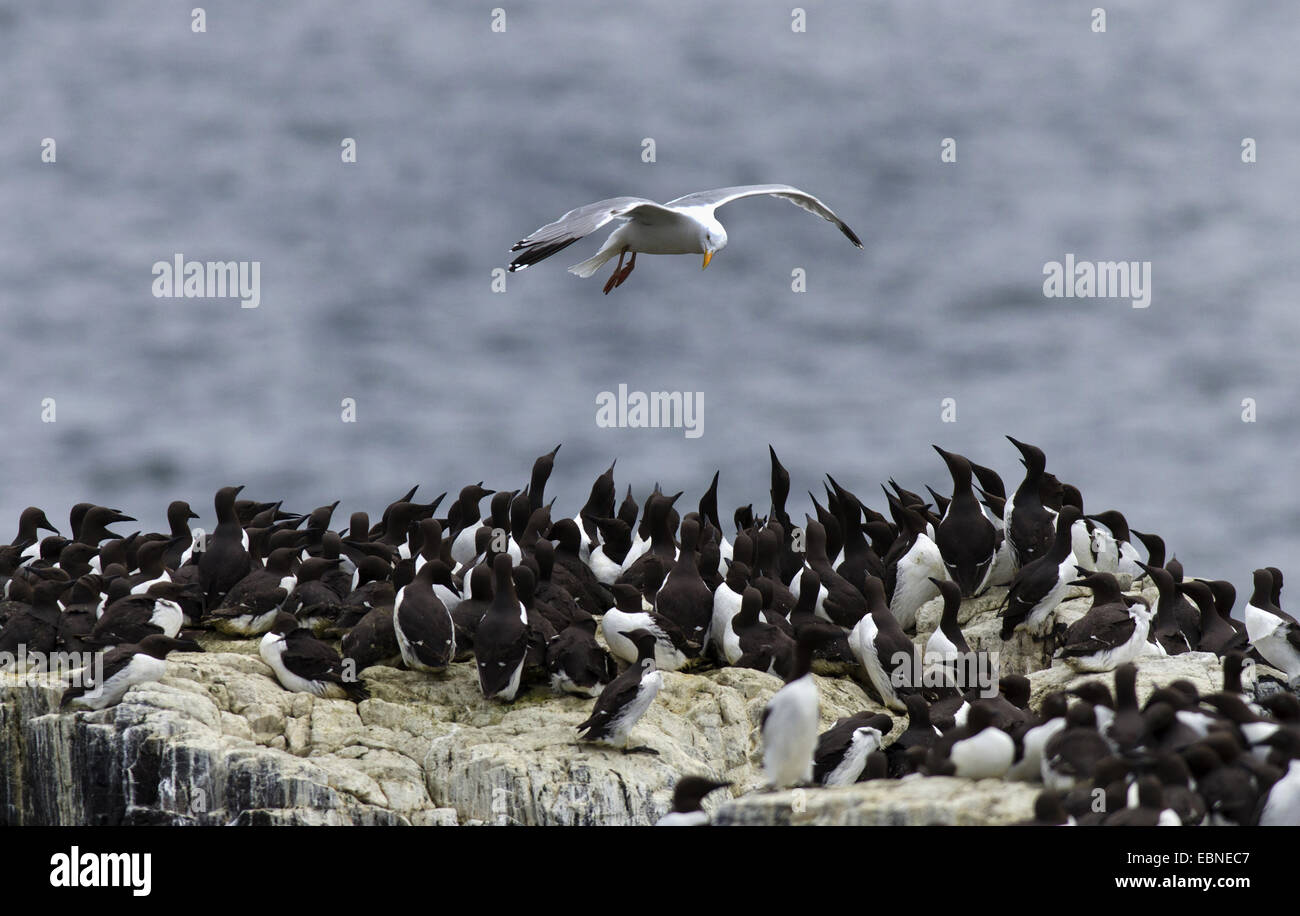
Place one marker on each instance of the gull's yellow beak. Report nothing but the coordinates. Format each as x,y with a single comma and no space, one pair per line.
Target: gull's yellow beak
708,256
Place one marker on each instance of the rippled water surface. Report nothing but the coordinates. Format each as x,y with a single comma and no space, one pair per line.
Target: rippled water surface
376,276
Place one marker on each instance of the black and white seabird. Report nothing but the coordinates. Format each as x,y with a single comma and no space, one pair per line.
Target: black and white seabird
910,567
1155,546
687,796
684,598
629,613
976,750
123,667
881,646
1027,523
1114,553
304,664
1070,757
1051,719
946,643
1231,790
1049,812
35,627
501,638
1177,624
31,522
708,510
468,519
179,546
571,573
838,600
843,749
1112,633
626,698
129,620
1274,633
967,540
94,525
249,607
1280,807
752,642
225,559
658,522
790,719
1150,810
1128,729
577,663
1217,634
1040,584
608,554
426,635
920,735
373,641
599,506
316,605
726,603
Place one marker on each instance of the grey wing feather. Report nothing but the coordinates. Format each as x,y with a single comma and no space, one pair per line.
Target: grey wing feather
572,226
802,199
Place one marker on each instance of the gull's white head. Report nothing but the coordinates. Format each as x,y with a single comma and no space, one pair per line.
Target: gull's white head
713,238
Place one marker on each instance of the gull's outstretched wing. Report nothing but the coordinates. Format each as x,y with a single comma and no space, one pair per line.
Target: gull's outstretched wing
583,221
802,199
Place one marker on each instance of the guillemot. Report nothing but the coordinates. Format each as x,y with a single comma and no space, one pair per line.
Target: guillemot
911,567
625,699
1027,523
684,598
1071,756
35,627
841,603
249,607
977,750
1034,739
426,635
304,664
687,810
1040,584
629,614
577,663
881,646
225,559
1111,633
501,638
789,723
842,750
123,667
726,603
751,642
966,539
1177,624
1274,634
947,643
131,619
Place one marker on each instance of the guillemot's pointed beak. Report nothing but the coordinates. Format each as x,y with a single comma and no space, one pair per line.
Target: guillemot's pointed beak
708,256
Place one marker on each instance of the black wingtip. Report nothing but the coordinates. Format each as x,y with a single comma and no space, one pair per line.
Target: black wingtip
535,253
850,235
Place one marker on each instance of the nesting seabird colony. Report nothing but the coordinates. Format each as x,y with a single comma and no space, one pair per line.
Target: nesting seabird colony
597,605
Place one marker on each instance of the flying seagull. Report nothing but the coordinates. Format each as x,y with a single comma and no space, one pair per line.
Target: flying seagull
682,226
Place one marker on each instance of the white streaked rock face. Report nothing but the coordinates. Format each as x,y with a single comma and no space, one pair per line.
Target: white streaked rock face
219,741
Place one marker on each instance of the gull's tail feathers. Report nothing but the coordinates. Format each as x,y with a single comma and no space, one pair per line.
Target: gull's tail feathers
592,264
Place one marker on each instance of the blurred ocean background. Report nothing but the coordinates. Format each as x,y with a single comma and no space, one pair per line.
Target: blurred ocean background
376,276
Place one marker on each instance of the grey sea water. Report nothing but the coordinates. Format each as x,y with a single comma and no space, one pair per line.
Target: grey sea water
376,277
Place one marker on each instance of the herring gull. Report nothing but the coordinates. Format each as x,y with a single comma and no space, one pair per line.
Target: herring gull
682,226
